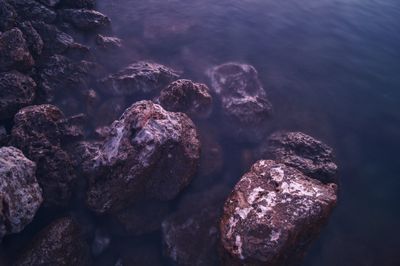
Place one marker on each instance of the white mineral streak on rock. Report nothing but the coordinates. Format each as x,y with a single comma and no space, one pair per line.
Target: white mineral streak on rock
239,244
277,174
275,236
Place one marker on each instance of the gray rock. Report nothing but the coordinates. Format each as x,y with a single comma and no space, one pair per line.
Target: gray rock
14,52
85,19
20,194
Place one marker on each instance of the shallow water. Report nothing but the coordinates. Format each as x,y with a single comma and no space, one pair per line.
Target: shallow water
331,68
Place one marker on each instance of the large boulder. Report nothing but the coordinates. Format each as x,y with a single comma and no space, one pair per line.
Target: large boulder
85,19
139,79
14,51
16,91
298,150
245,107
150,153
187,97
60,243
39,131
273,214
8,16
20,194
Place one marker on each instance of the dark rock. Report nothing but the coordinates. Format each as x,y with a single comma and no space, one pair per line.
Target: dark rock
300,151
85,19
14,52
139,79
38,131
78,3
50,3
33,11
108,43
245,107
4,137
187,97
82,153
272,215
109,111
20,194
153,154
33,39
60,243
7,16
141,253
16,91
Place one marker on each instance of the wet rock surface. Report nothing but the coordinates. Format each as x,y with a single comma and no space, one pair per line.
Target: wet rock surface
14,52
153,154
60,243
273,214
244,104
298,150
20,194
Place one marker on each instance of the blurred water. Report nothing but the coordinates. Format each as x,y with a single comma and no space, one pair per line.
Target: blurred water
331,69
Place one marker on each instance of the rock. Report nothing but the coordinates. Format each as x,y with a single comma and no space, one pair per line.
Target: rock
14,52
16,91
108,43
303,152
4,137
139,79
272,215
60,243
33,39
50,3
33,11
78,3
7,16
20,194
38,131
85,19
153,154
245,107
187,97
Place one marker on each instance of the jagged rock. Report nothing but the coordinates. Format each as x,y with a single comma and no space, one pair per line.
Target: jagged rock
38,131
139,79
60,243
16,91
153,154
245,107
7,16
85,19
108,43
14,52
187,97
81,154
78,3
303,152
20,194
33,11
50,3
272,215
33,39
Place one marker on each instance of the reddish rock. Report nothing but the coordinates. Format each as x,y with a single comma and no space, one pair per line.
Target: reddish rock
14,52
272,215
187,97
20,194
153,154
85,19
60,243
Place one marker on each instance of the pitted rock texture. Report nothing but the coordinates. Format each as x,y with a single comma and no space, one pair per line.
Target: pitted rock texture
60,243
245,106
8,16
273,214
14,52
139,79
152,153
20,194
38,131
85,19
303,152
187,97
16,91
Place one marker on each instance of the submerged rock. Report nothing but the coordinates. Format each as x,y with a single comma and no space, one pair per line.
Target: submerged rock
14,52
20,194
153,154
16,91
108,43
300,151
245,107
139,79
187,97
273,214
60,243
38,131
33,39
85,19
8,16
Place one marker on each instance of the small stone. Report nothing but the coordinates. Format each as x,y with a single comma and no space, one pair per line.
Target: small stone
14,52
33,39
85,19
273,214
60,243
187,97
20,194
108,43
16,91
8,16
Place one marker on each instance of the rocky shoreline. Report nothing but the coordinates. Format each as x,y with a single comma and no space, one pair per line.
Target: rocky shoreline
100,166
